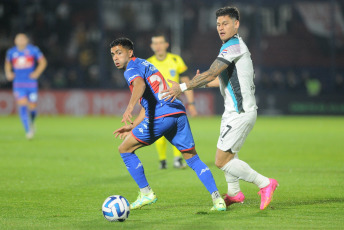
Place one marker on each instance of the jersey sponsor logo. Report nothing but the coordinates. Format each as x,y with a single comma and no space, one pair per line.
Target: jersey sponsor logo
204,170
132,77
153,68
145,63
23,62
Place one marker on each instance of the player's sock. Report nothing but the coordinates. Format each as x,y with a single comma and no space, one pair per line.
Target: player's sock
176,152
243,171
203,173
233,184
146,189
33,114
215,195
161,146
24,117
135,169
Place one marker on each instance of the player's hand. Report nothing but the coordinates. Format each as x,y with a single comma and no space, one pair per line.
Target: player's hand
192,110
172,92
10,76
197,73
123,131
127,115
34,75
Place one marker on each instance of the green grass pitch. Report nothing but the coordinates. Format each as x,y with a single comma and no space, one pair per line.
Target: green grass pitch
60,179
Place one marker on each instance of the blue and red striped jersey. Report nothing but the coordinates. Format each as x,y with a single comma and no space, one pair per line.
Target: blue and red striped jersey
151,100
24,63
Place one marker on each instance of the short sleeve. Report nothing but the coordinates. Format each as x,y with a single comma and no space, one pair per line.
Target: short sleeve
8,55
131,74
181,67
37,53
230,51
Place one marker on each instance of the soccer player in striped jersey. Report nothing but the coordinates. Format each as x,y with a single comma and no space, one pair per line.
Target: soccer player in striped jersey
233,72
23,65
157,118
172,67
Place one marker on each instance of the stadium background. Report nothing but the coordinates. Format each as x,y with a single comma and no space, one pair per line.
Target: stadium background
297,48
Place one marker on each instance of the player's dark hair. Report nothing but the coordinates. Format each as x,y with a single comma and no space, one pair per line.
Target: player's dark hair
231,11
124,42
160,34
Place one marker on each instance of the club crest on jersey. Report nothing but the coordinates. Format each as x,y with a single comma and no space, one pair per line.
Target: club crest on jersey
173,72
225,51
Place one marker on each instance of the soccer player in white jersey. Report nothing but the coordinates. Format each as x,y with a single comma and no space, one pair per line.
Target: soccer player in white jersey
233,72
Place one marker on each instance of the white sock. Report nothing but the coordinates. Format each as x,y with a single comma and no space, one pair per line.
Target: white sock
146,190
215,195
244,172
233,184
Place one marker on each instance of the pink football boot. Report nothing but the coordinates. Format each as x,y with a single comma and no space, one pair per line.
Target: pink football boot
266,193
238,198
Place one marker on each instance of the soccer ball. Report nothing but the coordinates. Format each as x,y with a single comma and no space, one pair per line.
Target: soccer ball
116,208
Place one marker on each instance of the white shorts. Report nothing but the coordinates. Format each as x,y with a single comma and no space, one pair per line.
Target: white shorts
234,130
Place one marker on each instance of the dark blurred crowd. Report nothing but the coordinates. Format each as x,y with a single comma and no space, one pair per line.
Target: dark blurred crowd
74,36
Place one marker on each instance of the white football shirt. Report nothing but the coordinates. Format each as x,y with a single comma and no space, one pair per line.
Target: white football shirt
236,82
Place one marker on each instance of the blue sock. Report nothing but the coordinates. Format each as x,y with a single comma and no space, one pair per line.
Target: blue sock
33,114
24,117
203,173
135,169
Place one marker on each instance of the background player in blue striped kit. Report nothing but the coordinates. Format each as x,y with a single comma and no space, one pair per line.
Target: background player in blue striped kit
23,65
157,118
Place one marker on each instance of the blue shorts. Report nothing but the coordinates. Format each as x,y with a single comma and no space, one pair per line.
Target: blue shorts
30,93
175,128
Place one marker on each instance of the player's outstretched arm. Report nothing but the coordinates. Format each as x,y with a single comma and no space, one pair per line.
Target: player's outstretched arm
198,81
215,83
139,87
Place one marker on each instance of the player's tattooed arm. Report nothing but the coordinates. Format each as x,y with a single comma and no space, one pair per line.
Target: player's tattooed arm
204,78
198,81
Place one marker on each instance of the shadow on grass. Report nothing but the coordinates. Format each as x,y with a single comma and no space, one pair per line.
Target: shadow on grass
289,203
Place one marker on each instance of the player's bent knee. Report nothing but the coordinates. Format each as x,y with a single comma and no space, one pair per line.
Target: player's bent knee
22,101
129,145
219,164
189,154
122,149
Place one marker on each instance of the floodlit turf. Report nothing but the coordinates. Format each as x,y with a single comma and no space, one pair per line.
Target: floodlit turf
60,179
